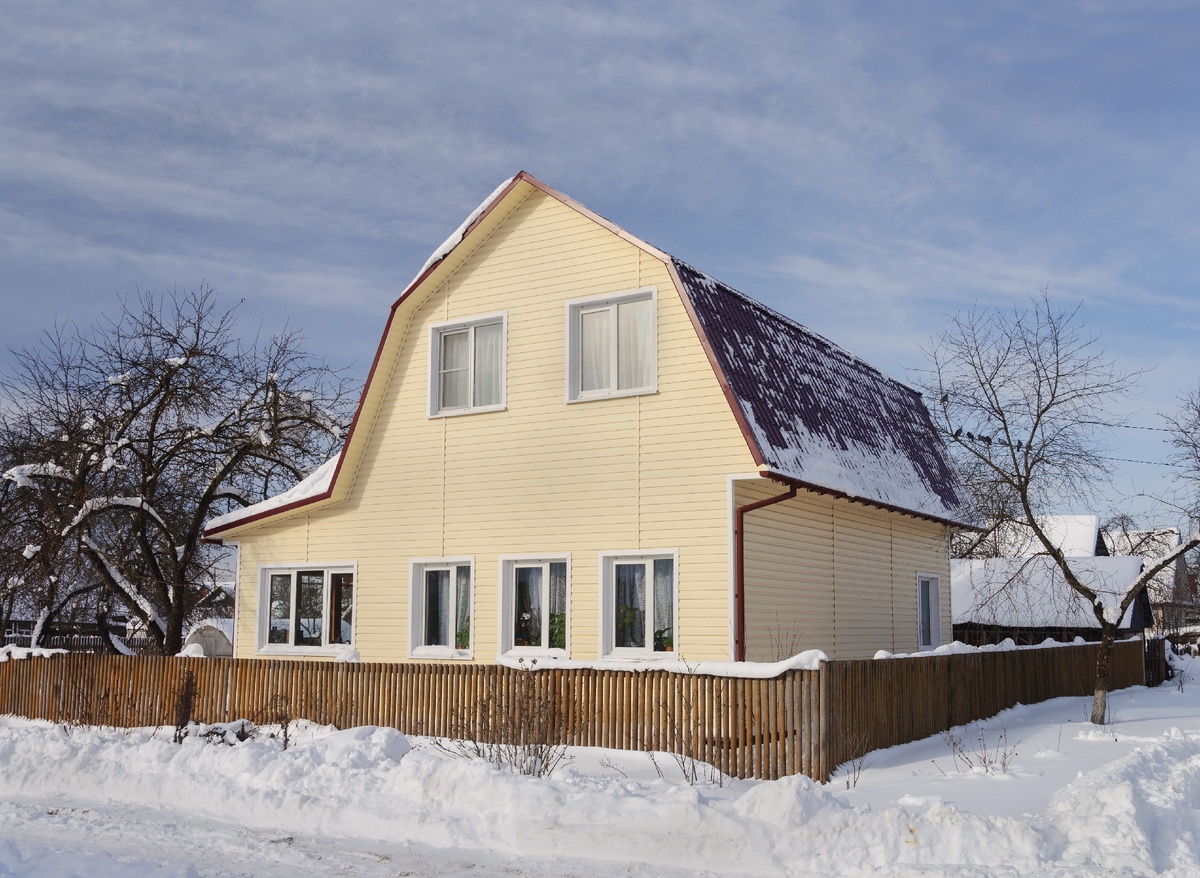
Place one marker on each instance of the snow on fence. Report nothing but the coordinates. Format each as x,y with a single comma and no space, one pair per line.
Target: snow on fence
803,721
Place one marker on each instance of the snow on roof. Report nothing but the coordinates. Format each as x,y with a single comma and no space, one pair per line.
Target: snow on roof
1076,535
1031,592
819,414
458,234
1147,543
315,484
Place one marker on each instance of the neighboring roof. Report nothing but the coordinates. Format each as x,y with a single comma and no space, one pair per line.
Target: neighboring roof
1147,543
1031,592
1077,536
818,416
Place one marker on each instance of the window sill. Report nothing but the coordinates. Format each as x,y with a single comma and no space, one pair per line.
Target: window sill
440,652
617,394
532,652
285,649
480,410
641,655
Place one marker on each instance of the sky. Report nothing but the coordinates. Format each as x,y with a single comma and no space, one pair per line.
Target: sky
867,169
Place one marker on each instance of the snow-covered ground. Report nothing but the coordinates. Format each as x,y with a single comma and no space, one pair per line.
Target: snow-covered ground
1034,791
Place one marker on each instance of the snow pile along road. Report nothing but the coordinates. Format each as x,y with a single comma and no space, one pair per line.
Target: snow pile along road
366,784
1073,800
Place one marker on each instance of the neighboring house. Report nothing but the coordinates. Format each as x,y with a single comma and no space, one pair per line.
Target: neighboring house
1022,593
561,430
1170,591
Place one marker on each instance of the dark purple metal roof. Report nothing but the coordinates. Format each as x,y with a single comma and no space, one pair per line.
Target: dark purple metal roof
820,415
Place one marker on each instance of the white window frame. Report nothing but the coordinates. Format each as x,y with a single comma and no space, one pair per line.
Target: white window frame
266,571
608,563
576,307
416,607
935,611
436,331
508,566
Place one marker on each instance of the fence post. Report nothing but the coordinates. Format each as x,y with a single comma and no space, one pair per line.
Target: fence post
824,723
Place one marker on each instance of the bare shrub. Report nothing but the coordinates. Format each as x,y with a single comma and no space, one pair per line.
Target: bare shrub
860,746
979,754
520,724
686,734
85,707
278,711
185,704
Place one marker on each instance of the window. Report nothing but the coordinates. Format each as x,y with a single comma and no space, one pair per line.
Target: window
612,345
466,365
307,608
638,611
440,612
929,614
534,606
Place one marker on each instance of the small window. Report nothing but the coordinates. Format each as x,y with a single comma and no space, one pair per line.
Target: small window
307,608
929,616
534,606
466,366
612,346
441,609
638,612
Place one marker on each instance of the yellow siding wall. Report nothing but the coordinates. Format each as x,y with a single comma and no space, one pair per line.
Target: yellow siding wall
823,573
643,472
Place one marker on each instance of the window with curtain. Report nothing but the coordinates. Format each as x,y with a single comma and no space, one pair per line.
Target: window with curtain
466,370
612,345
639,605
440,609
534,605
307,608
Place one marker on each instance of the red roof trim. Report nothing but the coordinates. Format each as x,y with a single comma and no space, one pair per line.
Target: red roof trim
730,397
328,492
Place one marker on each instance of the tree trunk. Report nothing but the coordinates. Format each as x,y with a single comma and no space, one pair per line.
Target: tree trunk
39,628
1103,663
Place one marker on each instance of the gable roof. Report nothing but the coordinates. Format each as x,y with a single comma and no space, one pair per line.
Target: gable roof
817,416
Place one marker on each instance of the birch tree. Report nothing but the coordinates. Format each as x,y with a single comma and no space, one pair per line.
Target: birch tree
1022,398
139,430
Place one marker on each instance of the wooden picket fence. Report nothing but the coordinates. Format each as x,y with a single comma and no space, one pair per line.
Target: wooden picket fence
803,721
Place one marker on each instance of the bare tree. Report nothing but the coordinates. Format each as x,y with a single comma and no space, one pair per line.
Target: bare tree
135,433
1022,399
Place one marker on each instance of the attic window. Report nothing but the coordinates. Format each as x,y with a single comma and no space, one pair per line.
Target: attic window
466,365
612,345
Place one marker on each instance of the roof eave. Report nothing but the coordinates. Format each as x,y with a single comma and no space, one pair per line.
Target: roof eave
867,501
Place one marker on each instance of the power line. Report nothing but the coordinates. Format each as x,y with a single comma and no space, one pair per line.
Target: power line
1147,462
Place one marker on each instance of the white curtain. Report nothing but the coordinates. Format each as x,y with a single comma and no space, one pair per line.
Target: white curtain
664,604
557,619
437,608
595,360
527,624
630,619
454,370
488,367
462,627
635,344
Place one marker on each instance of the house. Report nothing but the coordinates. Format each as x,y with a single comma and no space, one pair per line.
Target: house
1022,594
1170,591
571,444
